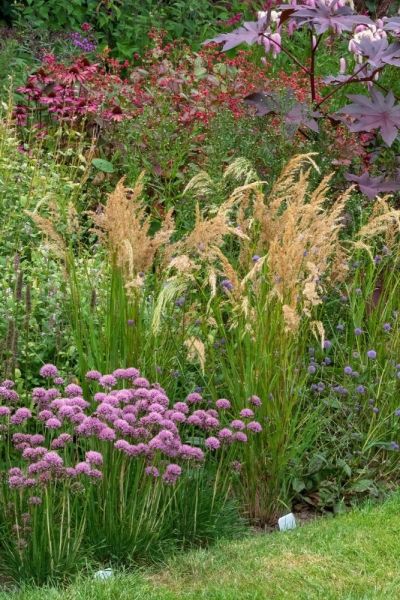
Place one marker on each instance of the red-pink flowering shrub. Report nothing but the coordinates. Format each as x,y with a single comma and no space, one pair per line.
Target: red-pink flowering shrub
112,469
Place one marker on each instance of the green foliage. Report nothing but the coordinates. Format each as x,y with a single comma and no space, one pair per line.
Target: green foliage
124,26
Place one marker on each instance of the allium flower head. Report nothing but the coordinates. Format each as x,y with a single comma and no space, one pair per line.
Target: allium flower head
48,371
237,424
152,471
348,370
254,426
20,416
94,458
255,400
194,398
212,443
239,436
93,375
53,423
107,381
246,413
73,389
223,404
225,434
172,473
371,354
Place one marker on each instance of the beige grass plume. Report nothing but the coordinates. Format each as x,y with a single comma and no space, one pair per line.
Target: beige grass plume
124,225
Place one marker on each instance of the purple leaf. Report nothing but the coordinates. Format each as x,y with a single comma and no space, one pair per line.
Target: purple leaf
249,33
324,16
379,52
299,115
269,102
372,186
392,24
375,112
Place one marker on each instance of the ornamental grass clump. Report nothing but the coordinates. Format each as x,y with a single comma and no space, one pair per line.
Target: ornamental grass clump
120,475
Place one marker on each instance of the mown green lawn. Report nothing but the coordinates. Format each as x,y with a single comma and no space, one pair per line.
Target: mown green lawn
352,557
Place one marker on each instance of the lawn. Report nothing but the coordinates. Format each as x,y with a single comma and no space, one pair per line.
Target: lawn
350,557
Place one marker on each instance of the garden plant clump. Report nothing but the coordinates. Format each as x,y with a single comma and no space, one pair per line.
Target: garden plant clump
224,218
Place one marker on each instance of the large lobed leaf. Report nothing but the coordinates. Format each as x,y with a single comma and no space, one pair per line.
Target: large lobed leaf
375,112
324,16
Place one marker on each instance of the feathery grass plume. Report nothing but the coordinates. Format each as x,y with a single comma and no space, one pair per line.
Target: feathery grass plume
196,351
201,185
241,169
208,233
125,227
299,236
383,220
172,288
55,242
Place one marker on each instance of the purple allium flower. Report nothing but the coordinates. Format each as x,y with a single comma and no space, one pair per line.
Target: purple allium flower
394,446
38,393
141,382
178,417
180,301
246,413
181,407
16,481
387,327
348,370
237,424
53,459
340,327
34,501
371,354
20,416
53,423
225,434
212,443
95,474
223,404
254,426
82,468
15,471
255,400
194,398
375,410
132,373
236,466
107,434
312,369
93,375
227,285
255,258
107,381
48,371
327,344
153,471
61,441
4,411
360,389
93,457
377,259
191,452
172,473
358,331
73,389
58,380
397,412
8,383
239,436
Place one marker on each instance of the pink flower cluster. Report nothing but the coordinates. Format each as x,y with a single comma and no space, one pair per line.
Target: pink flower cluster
128,414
